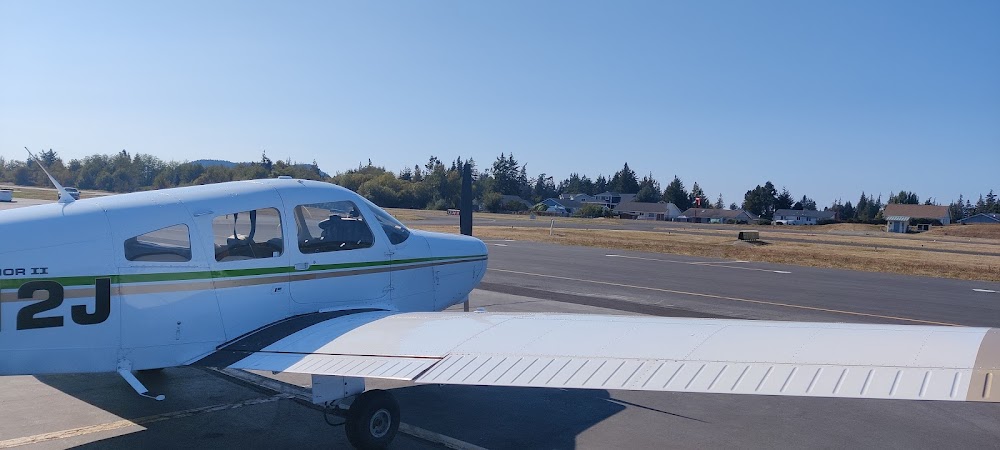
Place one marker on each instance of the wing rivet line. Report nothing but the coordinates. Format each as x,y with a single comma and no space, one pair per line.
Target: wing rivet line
955,383
695,376
654,374
923,384
740,378
789,379
716,379
895,383
762,380
988,385
815,378
598,369
674,375
868,382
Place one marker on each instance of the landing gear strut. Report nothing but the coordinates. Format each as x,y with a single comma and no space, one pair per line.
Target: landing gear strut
372,417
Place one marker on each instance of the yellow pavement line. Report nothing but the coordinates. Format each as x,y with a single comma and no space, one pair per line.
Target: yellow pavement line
735,299
81,431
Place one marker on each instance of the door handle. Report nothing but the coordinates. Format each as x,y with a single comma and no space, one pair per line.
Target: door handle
301,266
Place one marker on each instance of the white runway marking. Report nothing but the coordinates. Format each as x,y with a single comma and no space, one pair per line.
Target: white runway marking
703,263
500,245
988,291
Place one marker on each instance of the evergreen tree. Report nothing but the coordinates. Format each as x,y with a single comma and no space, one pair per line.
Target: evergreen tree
675,193
806,203
848,212
649,190
544,188
624,181
600,185
761,200
719,204
783,200
861,210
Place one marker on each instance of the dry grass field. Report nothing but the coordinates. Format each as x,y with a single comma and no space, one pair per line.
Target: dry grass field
865,255
979,231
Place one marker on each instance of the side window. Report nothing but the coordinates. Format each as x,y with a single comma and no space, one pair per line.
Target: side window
331,227
170,244
247,235
395,230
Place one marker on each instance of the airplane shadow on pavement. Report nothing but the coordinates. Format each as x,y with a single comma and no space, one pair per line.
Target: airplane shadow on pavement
491,417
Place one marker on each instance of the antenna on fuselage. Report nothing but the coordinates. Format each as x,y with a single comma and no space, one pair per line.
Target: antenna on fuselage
64,196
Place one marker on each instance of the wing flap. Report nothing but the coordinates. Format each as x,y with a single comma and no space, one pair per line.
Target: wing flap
639,353
701,376
393,368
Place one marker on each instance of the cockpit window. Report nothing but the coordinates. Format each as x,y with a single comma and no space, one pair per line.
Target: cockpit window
395,230
332,227
170,244
247,235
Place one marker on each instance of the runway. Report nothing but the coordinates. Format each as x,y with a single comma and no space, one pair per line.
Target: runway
207,409
789,234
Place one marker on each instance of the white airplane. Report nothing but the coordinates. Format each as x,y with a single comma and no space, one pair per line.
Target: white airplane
306,277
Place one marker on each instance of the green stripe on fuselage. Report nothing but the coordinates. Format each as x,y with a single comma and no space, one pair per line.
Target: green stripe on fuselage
73,281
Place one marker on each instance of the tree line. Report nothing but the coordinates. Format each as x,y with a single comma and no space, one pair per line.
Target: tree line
437,185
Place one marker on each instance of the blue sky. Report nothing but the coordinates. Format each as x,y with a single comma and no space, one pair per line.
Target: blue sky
824,98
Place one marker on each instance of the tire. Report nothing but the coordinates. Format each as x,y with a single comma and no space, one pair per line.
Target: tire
372,420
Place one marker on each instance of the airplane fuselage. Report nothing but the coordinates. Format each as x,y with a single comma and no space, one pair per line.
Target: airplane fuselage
161,278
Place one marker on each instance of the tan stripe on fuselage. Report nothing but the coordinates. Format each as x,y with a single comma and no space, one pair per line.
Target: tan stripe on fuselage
222,283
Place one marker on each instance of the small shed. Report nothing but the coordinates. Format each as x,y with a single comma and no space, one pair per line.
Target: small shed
897,224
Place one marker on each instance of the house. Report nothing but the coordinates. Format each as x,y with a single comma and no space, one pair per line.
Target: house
585,198
800,217
505,199
647,211
703,215
611,199
898,216
918,212
982,218
561,206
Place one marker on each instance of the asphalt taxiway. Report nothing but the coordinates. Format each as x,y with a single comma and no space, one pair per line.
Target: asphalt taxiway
205,408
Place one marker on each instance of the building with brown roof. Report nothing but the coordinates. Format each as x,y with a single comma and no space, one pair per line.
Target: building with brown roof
898,216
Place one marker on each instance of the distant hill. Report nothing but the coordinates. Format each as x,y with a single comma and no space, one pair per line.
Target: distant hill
215,162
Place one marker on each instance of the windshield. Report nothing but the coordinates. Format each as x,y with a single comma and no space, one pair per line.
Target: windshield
394,229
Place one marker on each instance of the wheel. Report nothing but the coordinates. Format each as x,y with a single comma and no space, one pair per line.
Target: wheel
372,420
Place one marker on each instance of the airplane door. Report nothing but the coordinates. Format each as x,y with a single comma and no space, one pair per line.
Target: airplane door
338,261
169,310
250,264
412,277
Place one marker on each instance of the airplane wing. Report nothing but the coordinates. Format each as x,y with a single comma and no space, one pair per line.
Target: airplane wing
632,353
